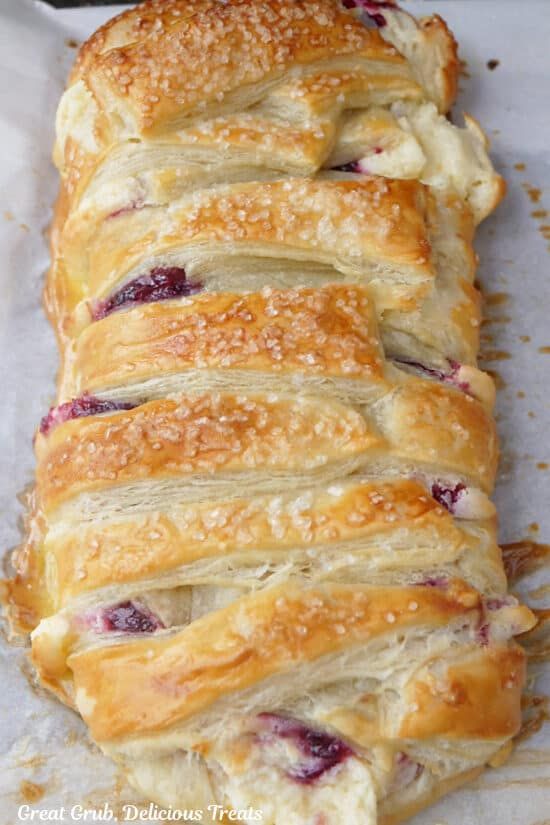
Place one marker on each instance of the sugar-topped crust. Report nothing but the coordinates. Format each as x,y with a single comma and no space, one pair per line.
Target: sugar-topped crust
276,340
261,558
147,685
252,637
249,45
295,529
201,438
367,227
218,440
329,332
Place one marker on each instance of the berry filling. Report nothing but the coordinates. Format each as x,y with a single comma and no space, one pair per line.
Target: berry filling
446,377
448,496
498,604
371,8
124,210
483,631
126,617
161,284
357,166
482,634
320,751
80,408
348,167
433,581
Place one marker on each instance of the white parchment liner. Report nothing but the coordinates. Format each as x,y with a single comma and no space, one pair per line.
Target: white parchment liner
45,757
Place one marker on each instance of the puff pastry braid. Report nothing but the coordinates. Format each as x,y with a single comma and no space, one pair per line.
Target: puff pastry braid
262,559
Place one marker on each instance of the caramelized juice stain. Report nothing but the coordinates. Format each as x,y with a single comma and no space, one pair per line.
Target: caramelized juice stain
31,791
492,299
29,673
494,355
521,558
536,712
496,319
537,640
533,192
500,383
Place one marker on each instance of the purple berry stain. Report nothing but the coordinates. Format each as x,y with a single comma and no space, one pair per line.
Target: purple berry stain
160,284
433,581
446,377
320,751
126,617
347,167
125,210
483,634
371,8
80,408
357,166
499,603
447,496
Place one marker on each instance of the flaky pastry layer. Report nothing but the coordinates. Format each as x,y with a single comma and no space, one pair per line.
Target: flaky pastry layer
261,559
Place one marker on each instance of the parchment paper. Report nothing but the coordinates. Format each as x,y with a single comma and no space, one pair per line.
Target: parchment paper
46,760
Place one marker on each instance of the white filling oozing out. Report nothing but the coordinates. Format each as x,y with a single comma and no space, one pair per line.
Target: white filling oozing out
461,499
296,776
299,775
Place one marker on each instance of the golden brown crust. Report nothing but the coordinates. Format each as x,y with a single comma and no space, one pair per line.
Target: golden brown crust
87,557
371,227
198,436
324,93
426,418
443,40
447,698
329,332
167,18
168,76
128,27
149,685
219,434
26,597
299,492
456,704
201,154
323,339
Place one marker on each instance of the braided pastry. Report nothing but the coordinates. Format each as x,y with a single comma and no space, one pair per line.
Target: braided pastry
261,559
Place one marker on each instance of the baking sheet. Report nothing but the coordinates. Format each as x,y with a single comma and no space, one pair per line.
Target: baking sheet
46,760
